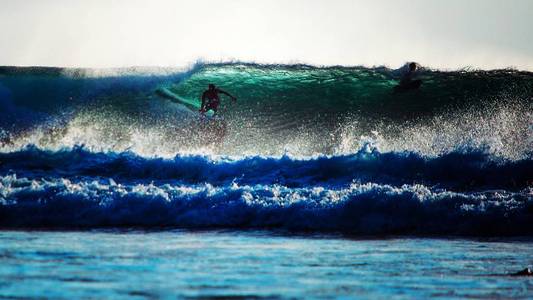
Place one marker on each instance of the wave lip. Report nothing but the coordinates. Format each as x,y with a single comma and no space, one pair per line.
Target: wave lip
357,209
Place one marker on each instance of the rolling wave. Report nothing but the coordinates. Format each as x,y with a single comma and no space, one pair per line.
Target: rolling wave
466,170
357,209
369,192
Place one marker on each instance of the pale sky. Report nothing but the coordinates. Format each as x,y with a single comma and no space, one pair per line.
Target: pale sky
442,34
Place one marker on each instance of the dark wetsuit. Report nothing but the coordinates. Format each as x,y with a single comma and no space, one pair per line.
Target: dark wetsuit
408,83
212,99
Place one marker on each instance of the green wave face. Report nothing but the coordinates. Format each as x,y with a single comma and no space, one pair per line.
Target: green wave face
306,90
321,108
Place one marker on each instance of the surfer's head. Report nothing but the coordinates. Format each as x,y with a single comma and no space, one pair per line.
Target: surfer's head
412,67
211,86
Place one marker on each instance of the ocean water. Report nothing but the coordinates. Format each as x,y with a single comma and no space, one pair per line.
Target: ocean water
225,264
318,181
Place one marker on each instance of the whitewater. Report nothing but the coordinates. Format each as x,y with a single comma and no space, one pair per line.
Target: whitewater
305,149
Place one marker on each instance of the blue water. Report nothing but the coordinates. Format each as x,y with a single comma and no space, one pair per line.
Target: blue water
256,264
368,192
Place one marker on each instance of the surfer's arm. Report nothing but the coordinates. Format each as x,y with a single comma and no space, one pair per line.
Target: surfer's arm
228,94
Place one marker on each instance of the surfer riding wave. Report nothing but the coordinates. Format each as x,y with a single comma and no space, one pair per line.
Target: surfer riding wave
211,99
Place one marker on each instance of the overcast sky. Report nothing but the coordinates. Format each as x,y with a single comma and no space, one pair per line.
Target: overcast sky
105,33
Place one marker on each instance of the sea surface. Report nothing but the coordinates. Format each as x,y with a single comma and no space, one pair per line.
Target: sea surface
317,182
222,264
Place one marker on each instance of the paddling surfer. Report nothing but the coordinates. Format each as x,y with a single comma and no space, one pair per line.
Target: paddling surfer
408,82
211,99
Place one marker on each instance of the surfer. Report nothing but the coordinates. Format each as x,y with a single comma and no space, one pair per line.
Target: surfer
211,99
407,82
408,77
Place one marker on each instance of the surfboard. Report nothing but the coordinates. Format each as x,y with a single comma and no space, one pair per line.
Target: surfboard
192,105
